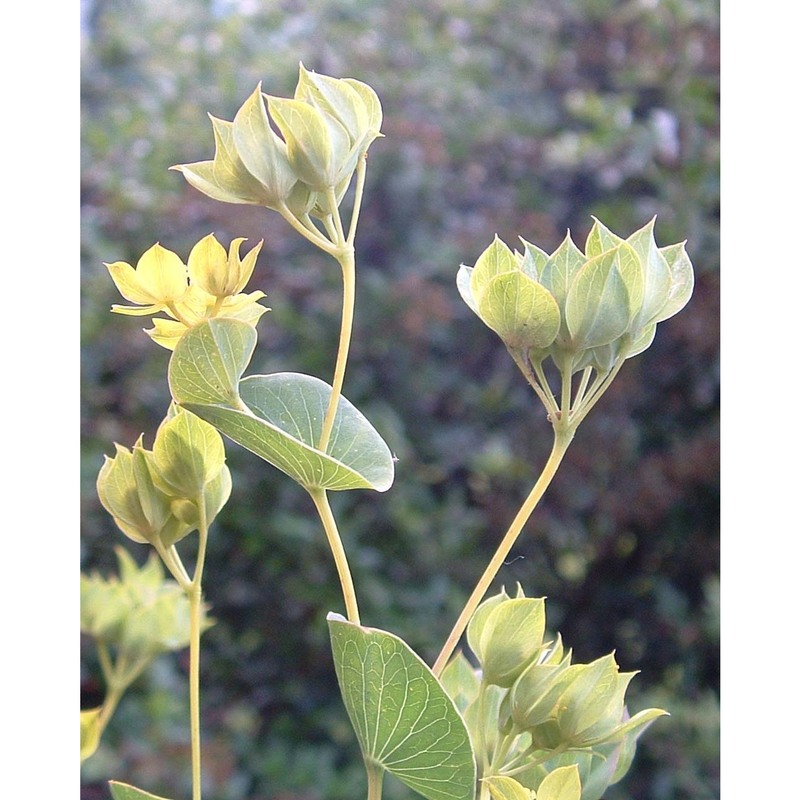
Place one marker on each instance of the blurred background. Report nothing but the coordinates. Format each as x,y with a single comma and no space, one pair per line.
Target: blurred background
509,118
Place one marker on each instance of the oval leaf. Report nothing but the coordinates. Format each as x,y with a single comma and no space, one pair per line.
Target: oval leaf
123,791
403,718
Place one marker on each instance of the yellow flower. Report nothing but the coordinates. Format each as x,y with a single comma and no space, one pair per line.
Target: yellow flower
209,286
160,278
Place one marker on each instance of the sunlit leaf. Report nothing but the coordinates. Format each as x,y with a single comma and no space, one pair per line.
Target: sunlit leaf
278,417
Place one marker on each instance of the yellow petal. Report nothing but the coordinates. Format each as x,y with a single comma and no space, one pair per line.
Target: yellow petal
129,284
162,274
208,267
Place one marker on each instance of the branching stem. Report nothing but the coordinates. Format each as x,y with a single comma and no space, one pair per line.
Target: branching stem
563,437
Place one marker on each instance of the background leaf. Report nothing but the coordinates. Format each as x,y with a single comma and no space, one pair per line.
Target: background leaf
403,718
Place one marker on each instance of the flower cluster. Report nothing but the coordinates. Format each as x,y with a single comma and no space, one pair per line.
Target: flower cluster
210,285
590,309
531,704
326,128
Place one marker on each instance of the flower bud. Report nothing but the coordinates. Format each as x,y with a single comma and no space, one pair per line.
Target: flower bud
317,144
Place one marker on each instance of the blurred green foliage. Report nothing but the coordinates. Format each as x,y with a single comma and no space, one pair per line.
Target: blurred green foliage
515,118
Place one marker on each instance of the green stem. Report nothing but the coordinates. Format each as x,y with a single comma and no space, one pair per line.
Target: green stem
347,260
194,593
597,390
374,780
563,437
320,498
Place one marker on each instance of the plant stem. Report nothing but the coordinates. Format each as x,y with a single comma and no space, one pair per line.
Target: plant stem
563,437
320,498
374,780
195,594
347,260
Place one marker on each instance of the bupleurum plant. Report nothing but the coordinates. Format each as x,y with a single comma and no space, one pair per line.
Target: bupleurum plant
519,719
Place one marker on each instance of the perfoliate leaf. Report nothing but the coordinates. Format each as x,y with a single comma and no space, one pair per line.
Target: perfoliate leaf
278,417
403,718
123,791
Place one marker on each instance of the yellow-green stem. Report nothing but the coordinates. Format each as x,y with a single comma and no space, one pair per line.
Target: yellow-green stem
348,262
320,498
563,437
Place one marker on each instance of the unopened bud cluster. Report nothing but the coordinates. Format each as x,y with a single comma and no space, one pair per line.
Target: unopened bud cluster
161,495
324,130
529,699
584,309
210,285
